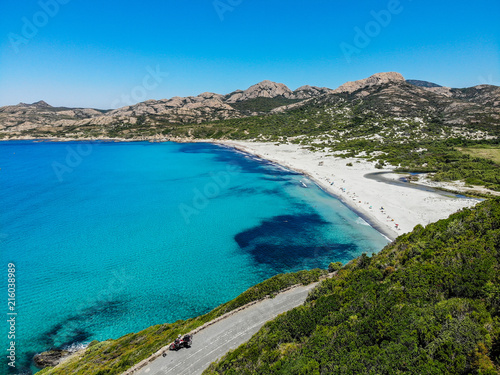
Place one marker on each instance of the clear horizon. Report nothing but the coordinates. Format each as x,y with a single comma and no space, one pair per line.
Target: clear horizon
105,56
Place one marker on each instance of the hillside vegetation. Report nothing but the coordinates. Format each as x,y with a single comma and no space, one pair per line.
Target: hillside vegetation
262,104
429,303
490,153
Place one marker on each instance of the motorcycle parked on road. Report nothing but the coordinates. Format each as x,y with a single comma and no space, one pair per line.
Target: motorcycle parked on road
181,342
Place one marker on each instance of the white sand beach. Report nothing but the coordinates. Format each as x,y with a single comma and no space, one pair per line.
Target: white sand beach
402,205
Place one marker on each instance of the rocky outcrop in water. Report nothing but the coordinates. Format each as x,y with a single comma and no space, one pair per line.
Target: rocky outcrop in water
50,358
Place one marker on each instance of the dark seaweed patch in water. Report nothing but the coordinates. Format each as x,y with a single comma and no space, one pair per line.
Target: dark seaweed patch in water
277,178
247,163
77,328
284,257
238,190
64,334
279,226
197,148
288,241
24,365
242,191
74,329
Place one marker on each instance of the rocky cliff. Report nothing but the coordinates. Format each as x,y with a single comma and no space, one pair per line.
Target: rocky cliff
374,80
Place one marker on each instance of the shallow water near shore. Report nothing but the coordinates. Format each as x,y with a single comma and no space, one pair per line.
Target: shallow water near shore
110,238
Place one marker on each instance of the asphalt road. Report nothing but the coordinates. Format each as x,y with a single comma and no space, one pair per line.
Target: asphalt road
216,340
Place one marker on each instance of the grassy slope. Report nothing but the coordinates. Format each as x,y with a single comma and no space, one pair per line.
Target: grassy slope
115,356
427,304
492,153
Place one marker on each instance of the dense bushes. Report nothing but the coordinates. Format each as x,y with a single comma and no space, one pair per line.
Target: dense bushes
334,266
262,104
427,304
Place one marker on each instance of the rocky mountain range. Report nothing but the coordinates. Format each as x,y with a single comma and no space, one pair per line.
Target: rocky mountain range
393,96
382,93
207,106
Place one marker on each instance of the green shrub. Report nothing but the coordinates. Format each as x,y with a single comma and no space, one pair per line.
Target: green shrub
334,266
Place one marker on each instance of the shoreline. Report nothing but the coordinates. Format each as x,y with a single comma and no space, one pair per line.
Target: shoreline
343,179
391,236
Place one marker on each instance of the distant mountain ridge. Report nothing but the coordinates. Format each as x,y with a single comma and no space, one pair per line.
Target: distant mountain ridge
386,93
269,89
192,109
417,82
38,104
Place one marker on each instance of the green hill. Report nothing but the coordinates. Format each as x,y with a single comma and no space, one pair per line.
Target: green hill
262,104
429,303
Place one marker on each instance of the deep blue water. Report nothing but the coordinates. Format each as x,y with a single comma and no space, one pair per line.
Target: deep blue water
110,238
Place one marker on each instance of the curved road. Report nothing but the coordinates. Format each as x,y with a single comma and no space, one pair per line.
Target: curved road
216,340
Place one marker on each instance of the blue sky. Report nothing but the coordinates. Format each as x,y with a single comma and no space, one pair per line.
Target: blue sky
106,54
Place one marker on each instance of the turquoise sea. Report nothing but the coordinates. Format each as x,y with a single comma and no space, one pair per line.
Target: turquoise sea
110,238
